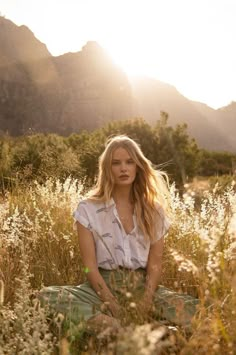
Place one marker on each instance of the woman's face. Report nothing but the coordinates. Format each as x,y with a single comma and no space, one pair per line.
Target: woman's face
123,167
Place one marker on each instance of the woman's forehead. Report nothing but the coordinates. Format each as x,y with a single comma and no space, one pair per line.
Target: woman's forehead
120,153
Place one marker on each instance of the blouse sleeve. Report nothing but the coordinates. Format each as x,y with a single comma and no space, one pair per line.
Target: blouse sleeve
163,223
82,216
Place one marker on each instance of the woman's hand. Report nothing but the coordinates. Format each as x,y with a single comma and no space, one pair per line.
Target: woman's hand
114,308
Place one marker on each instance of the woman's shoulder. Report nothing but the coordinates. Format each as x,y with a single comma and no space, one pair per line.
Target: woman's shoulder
90,203
86,208
162,213
159,208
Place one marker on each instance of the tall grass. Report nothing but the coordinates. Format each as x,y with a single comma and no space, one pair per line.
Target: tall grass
38,247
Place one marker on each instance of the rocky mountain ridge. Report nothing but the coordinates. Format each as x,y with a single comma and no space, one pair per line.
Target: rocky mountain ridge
84,90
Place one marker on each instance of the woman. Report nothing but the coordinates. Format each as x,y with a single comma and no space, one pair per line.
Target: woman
121,227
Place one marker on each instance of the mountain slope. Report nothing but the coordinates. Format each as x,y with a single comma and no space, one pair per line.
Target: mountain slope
18,43
62,94
20,52
224,121
153,96
84,90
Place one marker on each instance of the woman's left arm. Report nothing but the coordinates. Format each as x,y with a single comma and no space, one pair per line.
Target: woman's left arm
153,272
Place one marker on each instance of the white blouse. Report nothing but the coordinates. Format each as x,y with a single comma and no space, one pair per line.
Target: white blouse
114,247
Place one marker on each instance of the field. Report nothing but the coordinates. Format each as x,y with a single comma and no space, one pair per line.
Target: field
38,246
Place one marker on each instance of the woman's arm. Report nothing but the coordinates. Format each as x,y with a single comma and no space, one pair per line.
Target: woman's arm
88,255
153,272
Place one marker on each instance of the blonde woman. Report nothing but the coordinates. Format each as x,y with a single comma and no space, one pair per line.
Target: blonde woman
121,227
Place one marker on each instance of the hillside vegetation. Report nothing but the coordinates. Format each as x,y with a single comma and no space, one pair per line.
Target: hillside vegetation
42,156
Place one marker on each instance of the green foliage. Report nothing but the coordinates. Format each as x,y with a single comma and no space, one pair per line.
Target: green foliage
168,148
178,149
216,163
27,158
90,148
41,156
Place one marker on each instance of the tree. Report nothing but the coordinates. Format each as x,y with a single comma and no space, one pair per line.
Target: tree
176,150
216,163
166,147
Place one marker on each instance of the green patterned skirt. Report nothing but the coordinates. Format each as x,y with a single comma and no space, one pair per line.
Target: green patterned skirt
78,303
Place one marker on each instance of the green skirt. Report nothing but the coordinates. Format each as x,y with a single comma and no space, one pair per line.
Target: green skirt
78,303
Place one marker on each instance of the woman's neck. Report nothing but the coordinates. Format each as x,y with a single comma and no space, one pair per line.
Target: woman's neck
122,194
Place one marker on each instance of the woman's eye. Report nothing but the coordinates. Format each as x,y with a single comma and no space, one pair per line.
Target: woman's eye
115,163
130,162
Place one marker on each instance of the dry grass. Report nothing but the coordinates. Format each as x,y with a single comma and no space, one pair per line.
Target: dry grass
39,247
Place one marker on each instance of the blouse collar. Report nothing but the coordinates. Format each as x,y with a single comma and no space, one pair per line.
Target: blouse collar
110,203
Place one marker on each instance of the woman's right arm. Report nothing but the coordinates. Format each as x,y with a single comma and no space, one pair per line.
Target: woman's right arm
88,255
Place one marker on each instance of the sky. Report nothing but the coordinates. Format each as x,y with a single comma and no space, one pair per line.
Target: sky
190,44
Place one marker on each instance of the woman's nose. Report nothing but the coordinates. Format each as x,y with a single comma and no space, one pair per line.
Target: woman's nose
123,167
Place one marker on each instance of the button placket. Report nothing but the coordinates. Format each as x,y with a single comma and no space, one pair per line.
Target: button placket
125,239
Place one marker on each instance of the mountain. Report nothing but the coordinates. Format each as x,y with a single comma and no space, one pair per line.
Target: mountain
20,51
94,89
225,119
84,90
153,96
61,94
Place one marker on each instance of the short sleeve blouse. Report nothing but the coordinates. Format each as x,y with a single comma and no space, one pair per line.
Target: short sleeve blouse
114,247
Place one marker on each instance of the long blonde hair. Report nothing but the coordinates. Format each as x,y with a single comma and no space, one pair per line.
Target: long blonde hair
150,186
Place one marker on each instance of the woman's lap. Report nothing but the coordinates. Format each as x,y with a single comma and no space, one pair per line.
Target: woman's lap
75,302
81,302
178,308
